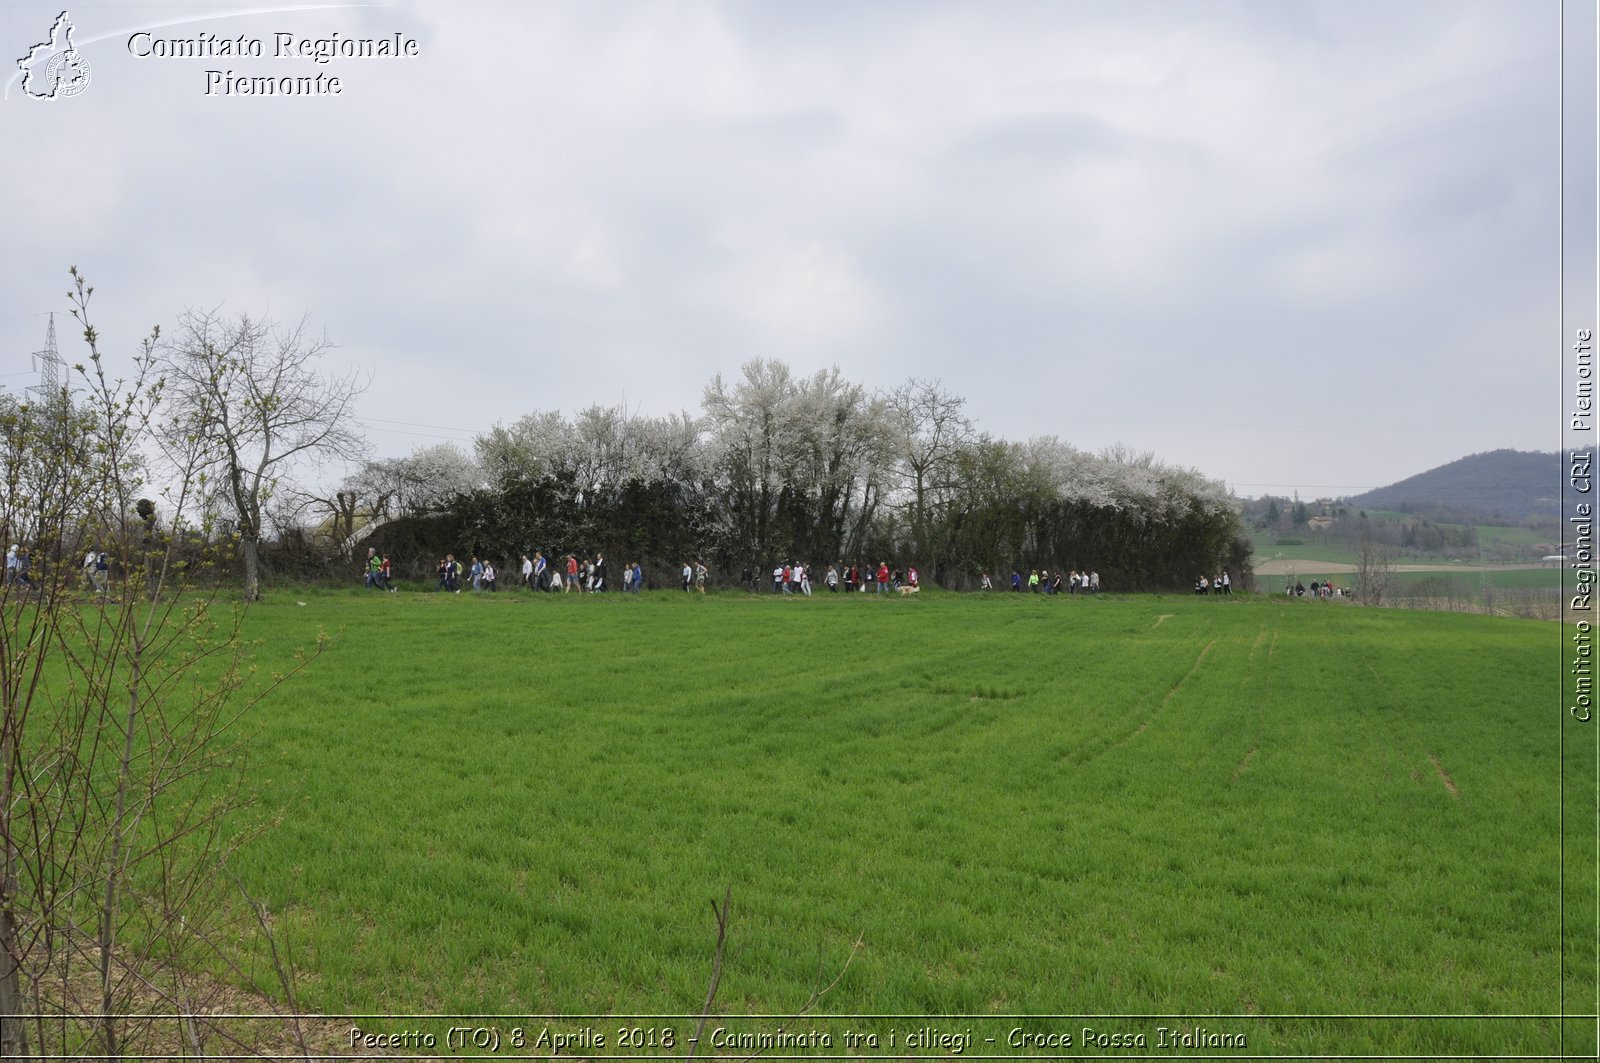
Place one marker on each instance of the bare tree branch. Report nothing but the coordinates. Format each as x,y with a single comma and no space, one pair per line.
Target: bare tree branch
250,401
716,967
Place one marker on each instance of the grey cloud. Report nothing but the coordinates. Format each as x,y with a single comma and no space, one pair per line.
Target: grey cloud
1090,218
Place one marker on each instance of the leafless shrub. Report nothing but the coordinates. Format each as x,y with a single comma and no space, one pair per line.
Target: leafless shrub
120,736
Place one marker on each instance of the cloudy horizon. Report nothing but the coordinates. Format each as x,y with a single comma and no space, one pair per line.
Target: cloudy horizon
1297,245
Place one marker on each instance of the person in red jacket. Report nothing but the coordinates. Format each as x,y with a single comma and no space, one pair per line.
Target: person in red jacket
883,577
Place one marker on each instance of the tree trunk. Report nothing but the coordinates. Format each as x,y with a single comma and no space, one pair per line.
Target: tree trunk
13,1031
252,568
109,1019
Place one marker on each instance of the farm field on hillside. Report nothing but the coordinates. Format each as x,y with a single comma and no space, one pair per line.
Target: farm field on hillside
1468,577
1120,806
1307,548
1490,534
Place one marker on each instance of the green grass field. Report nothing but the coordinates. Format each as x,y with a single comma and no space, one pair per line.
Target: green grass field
1470,579
1497,543
1493,534
1018,805
1266,548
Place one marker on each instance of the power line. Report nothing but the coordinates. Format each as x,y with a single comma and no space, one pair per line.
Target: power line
415,424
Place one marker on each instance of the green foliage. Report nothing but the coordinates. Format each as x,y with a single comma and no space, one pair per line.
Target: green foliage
660,523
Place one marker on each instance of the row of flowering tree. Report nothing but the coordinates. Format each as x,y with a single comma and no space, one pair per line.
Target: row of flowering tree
778,465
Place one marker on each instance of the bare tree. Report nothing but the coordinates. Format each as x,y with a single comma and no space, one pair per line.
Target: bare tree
425,481
340,509
1374,571
248,392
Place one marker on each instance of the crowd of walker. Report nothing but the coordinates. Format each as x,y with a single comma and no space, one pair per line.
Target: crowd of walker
1041,581
19,565
1319,589
583,575
96,569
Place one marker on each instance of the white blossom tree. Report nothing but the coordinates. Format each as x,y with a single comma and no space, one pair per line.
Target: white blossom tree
932,431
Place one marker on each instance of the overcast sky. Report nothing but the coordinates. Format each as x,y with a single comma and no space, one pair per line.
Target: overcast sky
1294,244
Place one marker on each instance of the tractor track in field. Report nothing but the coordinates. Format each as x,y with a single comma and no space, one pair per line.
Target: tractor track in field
1244,763
1198,661
1137,731
1444,777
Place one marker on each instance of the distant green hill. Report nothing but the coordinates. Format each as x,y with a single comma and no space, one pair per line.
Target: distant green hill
1497,487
